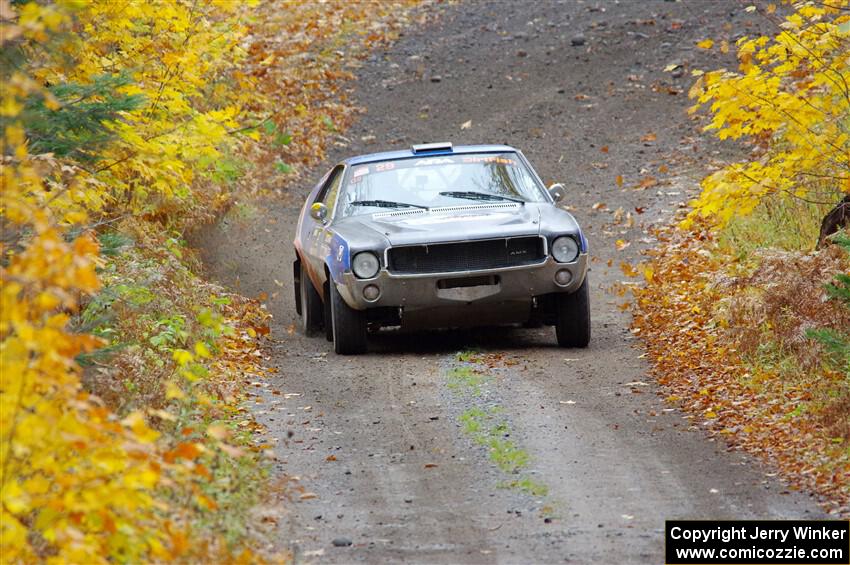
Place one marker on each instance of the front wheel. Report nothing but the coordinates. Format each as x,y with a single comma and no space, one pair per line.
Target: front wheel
329,324
572,317
348,325
311,304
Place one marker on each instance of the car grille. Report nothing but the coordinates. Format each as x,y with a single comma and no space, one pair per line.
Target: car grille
466,256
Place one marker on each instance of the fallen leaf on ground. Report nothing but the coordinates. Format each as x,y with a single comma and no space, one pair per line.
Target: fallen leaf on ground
647,182
628,270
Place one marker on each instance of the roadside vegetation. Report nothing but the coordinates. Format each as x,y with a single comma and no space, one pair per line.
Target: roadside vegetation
746,306
124,126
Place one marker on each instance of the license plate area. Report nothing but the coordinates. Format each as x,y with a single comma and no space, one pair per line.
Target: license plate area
469,289
465,282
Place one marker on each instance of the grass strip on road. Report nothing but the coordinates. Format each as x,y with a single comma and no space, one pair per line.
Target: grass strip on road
487,424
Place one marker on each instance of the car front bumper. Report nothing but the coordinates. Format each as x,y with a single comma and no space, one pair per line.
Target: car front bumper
437,290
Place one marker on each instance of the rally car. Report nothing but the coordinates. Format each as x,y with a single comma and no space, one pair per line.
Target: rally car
438,237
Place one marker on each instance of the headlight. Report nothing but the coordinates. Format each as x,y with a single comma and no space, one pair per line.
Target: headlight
564,249
365,265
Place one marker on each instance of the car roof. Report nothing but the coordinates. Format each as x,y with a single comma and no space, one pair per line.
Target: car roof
408,153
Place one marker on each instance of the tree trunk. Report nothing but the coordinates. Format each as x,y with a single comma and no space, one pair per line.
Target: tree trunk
838,217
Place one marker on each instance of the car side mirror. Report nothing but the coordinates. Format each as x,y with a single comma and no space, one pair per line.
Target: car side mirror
319,212
557,191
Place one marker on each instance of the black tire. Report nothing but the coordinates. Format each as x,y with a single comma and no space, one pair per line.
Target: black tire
311,305
329,325
349,325
572,317
296,284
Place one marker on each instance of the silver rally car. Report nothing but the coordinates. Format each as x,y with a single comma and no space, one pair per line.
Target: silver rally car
438,237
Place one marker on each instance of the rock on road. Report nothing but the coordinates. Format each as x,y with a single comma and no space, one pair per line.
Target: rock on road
581,89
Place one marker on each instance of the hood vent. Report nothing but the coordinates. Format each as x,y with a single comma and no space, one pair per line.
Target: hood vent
465,207
398,213
448,209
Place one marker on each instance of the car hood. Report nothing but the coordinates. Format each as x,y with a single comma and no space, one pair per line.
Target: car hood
455,223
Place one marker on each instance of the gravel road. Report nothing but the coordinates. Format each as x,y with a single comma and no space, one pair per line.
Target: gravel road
381,445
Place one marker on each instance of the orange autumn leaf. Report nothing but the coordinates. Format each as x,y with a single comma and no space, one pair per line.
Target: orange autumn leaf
183,450
628,269
647,182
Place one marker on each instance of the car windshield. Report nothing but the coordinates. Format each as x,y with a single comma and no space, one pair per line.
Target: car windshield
428,182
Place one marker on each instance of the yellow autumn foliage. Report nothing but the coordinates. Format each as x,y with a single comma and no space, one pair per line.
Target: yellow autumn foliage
71,471
173,54
789,97
128,120
79,483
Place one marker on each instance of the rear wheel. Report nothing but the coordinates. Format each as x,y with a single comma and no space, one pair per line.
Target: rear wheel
572,317
311,305
349,325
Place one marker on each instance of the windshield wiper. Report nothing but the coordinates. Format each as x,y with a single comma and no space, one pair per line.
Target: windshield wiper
386,204
472,195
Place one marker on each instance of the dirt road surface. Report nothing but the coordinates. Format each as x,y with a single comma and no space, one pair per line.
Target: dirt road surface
379,443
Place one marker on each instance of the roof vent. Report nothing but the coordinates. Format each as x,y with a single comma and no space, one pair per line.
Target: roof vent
444,147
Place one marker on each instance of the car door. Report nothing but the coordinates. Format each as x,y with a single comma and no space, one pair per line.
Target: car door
316,235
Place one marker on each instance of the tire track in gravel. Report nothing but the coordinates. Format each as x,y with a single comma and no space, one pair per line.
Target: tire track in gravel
618,460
